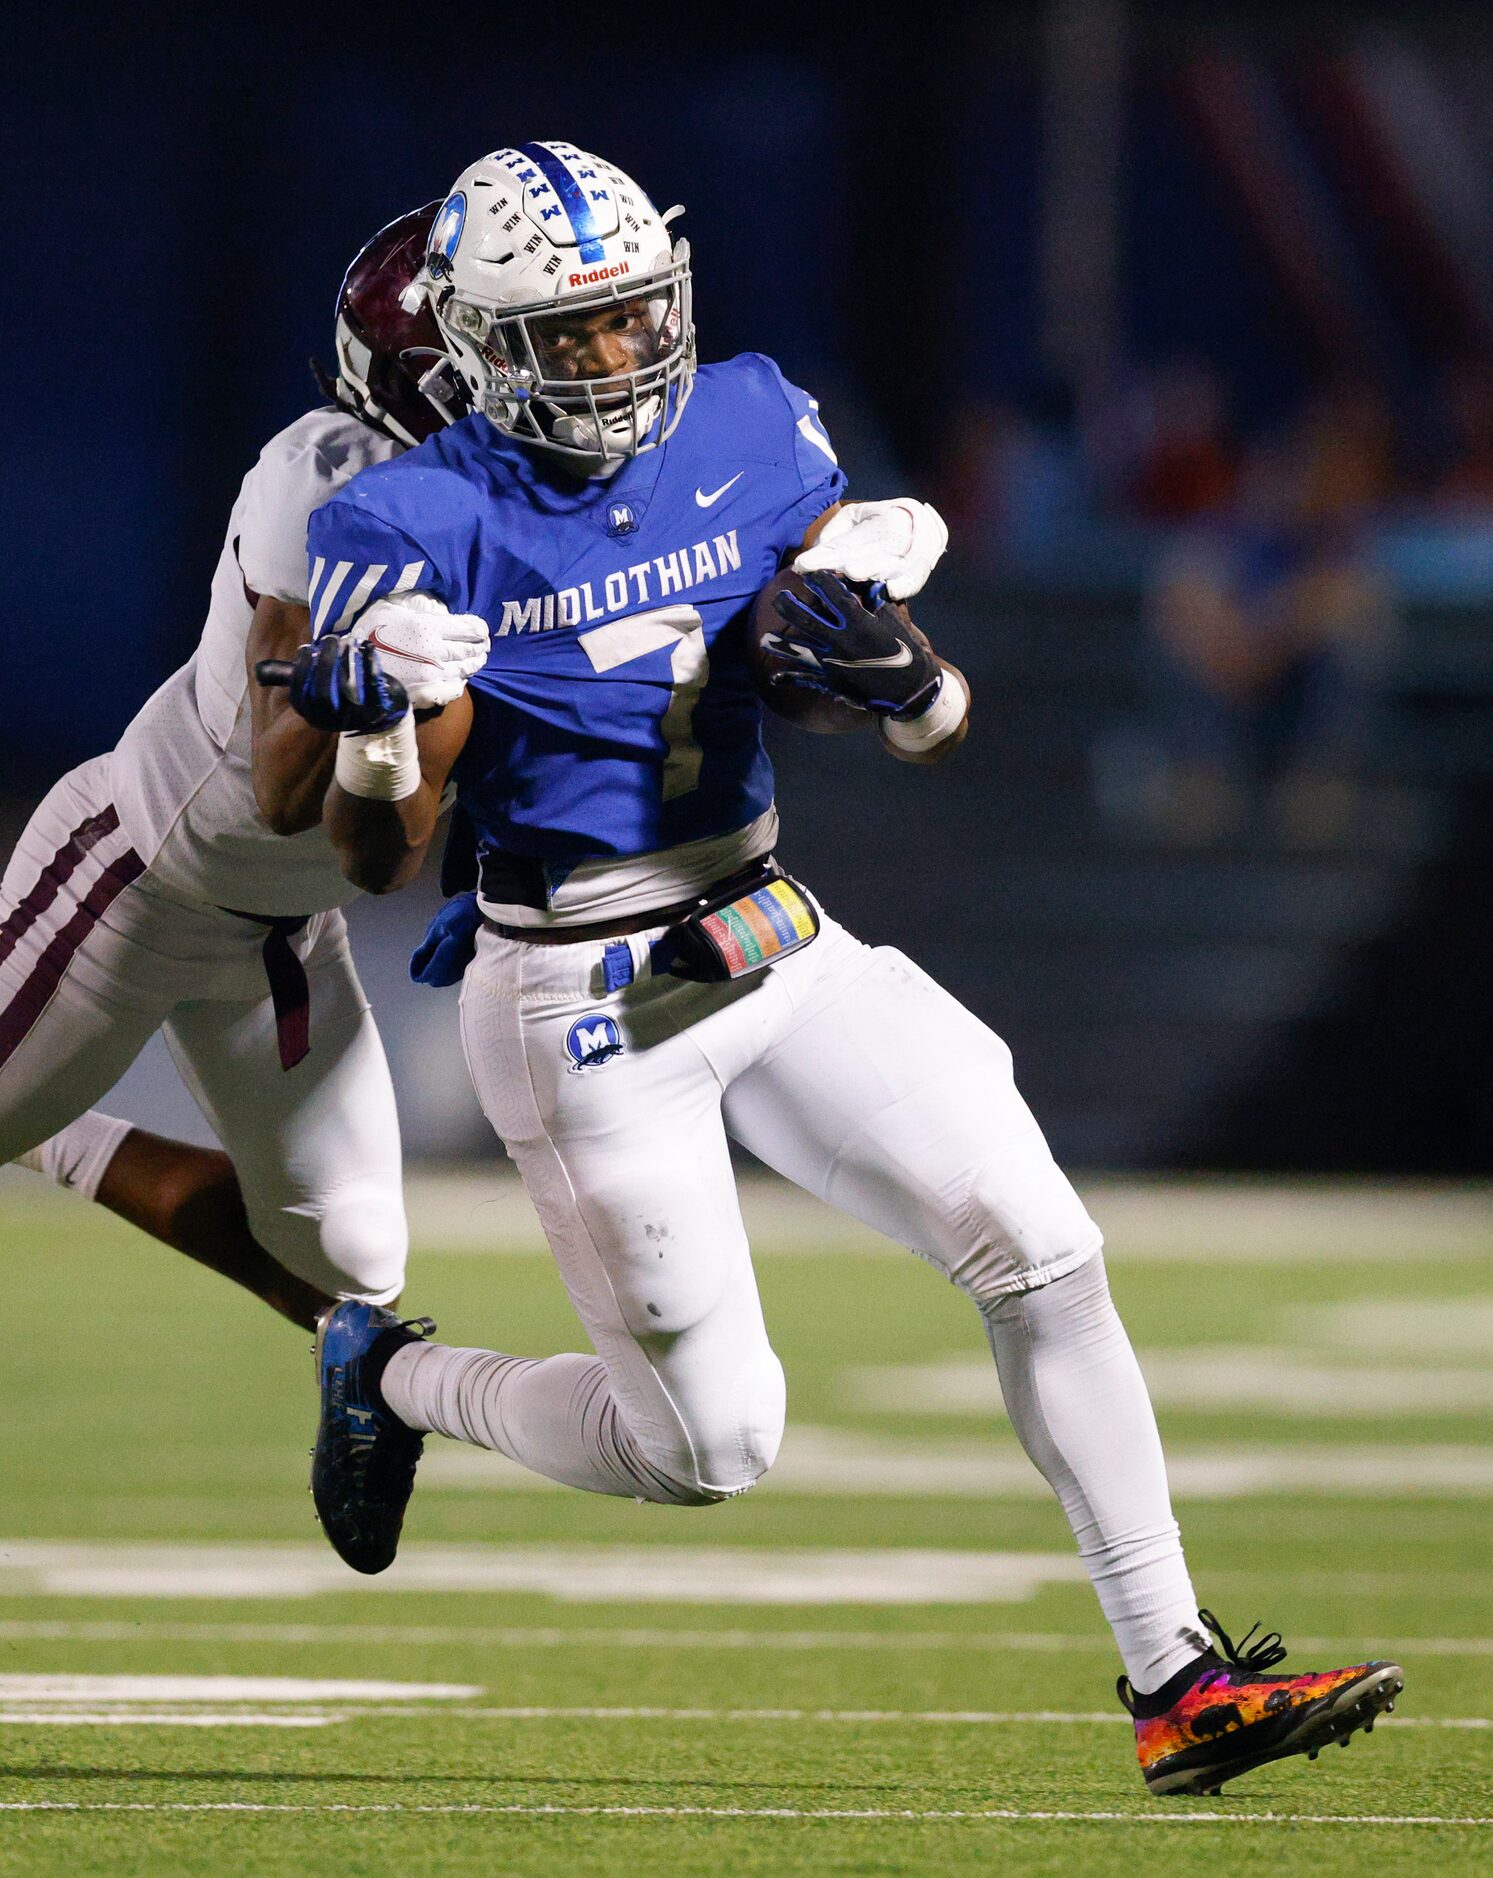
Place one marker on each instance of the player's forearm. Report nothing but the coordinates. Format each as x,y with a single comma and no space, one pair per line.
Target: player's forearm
291,762
387,795
292,768
381,845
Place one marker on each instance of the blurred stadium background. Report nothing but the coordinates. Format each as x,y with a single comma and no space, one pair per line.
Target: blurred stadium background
1184,316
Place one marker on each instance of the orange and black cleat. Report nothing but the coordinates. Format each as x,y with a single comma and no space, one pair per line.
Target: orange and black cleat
1223,1716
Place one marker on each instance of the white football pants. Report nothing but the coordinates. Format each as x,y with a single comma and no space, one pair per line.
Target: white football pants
96,955
850,1071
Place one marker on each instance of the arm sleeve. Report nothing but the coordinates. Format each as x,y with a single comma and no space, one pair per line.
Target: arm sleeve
356,557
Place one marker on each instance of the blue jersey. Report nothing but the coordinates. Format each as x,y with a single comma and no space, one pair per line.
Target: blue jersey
616,714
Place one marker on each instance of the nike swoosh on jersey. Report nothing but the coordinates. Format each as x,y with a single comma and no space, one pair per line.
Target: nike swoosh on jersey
715,495
903,656
398,652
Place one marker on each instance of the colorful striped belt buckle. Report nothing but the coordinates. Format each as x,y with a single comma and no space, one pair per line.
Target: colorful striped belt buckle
740,936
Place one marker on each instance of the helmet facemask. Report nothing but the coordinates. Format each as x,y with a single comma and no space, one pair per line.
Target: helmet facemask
511,359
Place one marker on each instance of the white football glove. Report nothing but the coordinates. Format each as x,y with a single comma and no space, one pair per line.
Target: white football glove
899,543
429,649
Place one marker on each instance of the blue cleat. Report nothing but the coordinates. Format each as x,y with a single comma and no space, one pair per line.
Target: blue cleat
363,1464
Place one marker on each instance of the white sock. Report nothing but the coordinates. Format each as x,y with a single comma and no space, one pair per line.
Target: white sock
77,1156
1078,1402
555,1415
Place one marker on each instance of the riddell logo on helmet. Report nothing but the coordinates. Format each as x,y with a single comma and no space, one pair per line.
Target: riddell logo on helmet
599,273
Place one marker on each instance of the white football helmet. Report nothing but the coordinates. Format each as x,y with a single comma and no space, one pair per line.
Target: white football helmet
529,242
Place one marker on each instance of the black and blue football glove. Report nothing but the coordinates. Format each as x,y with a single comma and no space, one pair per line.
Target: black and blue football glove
338,684
854,648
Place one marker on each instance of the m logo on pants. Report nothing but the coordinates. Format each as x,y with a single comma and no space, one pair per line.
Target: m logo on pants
592,1041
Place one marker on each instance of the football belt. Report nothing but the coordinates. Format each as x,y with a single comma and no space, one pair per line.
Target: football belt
738,934
290,989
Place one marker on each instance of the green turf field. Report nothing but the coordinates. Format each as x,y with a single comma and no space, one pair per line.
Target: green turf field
880,1661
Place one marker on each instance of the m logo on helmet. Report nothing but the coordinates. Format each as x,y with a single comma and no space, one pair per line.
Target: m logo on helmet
446,234
592,1041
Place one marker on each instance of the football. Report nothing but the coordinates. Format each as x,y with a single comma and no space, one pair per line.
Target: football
799,703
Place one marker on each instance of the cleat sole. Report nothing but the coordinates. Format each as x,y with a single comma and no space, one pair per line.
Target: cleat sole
1358,1705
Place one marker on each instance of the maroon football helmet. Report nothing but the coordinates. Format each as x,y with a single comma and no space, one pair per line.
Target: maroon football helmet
392,370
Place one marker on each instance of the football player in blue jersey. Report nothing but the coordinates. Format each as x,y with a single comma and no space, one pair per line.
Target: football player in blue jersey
643,983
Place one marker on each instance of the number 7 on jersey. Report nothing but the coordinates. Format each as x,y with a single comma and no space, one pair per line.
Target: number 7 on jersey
622,640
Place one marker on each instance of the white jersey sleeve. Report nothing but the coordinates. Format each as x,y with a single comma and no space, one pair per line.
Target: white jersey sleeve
181,771
265,549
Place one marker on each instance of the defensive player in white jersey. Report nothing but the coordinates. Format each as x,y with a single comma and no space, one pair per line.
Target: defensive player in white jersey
154,888
642,982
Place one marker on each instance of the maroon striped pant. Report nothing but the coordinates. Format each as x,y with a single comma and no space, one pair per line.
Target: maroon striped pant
96,955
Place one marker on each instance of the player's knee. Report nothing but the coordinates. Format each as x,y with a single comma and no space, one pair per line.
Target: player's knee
721,1453
1073,1305
1024,1227
354,1241
365,1237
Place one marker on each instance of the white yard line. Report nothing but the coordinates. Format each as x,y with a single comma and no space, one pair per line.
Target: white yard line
150,1718
843,1463
1291,1222
974,1718
597,1637
1451,1329
318,1717
1192,1221
479,1810
320,1714
61,1716
94,1701
262,1689
571,1573
1266,1378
